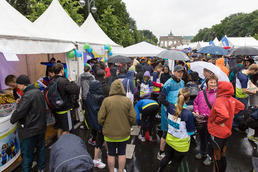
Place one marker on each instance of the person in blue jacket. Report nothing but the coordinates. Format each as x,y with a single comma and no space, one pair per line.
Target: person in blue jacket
168,96
148,108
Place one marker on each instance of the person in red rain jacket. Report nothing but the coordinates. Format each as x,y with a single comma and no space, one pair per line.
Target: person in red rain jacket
220,122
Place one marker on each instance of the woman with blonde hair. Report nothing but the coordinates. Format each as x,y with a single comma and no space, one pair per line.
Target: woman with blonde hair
180,128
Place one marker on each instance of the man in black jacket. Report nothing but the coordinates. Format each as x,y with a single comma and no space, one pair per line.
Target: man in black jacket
30,114
69,92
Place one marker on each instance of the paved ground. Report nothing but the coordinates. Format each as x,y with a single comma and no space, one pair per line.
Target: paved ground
240,152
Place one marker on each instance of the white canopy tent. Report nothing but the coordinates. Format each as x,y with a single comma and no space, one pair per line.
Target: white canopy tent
216,41
19,36
58,24
94,34
236,42
139,50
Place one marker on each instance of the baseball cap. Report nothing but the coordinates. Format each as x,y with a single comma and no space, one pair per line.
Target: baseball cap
178,68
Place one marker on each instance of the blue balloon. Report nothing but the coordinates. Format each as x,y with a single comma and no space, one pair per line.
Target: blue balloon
110,53
78,53
90,50
106,47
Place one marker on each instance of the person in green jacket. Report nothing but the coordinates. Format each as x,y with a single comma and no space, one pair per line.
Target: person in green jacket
116,116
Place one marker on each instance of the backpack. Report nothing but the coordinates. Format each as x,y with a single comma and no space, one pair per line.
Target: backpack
236,71
53,97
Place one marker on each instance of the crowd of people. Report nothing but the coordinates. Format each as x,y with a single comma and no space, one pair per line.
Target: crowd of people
115,97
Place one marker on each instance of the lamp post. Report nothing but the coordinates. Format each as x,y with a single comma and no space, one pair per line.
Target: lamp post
89,2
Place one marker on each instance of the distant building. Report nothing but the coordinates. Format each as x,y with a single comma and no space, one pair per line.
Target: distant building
172,41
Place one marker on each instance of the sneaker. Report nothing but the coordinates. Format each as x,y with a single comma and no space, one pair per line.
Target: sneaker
93,143
99,164
160,156
115,170
252,138
140,137
207,161
198,156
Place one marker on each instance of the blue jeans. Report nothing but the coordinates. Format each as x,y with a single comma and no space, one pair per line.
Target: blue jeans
238,117
27,150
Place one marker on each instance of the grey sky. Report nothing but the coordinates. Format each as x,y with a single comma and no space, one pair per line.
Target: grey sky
184,17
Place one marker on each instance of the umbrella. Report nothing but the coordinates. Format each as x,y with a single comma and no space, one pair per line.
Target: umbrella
119,59
215,50
199,66
245,51
173,55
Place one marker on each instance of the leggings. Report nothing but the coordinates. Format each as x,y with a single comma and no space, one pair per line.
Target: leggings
219,148
148,116
174,156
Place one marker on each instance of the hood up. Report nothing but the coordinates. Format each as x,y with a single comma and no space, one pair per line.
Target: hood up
147,73
95,87
117,88
225,89
130,74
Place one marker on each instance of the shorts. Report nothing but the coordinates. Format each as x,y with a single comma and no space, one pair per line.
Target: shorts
164,134
64,121
116,148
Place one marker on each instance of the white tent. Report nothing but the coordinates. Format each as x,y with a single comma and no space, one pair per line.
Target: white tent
216,41
139,50
242,41
94,34
58,24
202,44
19,36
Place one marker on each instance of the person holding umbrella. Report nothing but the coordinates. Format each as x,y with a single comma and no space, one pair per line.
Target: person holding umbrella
169,96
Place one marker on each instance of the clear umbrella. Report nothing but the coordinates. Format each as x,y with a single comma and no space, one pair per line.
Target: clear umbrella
199,66
173,55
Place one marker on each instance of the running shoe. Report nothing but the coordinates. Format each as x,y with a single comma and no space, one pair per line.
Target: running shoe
160,156
99,164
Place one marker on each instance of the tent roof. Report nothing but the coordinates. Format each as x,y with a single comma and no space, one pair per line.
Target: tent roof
19,36
139,50
242,41
216,41
58,24
94,33
14,23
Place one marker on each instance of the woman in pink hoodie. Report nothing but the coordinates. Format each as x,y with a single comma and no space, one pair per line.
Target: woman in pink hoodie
201,113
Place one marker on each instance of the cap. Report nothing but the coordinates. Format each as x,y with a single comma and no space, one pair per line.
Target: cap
178,68
23,80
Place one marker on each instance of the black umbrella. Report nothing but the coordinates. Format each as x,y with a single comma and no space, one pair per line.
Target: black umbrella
245,51
119,59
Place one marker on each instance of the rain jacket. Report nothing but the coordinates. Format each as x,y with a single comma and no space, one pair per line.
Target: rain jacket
124,78
200,104
116,114
68,154
221,64
141,105
146,88
83,83
223,111
169,94
93,103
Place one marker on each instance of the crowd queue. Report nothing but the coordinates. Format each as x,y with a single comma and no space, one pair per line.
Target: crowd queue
115,97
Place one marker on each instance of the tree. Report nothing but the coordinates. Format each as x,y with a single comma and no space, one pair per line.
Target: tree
235,25
148,36
32,9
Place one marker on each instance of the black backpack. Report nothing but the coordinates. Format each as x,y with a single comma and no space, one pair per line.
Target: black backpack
53,97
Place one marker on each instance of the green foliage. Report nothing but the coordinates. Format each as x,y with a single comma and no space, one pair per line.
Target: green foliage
235,25
111,15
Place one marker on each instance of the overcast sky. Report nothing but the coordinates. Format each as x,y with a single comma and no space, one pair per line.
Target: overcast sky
184,17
